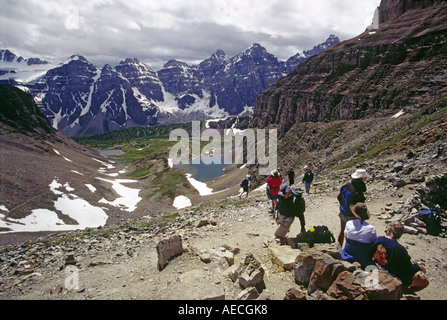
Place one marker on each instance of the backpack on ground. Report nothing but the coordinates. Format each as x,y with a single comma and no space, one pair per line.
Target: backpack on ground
318,234
432,220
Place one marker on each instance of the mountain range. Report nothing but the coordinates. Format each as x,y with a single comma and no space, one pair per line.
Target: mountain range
79,98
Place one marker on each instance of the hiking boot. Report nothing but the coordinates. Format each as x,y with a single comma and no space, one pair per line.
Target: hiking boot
281,242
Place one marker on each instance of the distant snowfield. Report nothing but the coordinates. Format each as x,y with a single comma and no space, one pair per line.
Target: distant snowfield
200,186
201,104
68,204
261,188
181,202
397,115
129,197
170,163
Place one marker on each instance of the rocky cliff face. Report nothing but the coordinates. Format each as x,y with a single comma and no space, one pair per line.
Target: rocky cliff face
399,66
392,9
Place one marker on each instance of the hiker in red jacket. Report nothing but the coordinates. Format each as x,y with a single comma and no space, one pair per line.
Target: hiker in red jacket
274,182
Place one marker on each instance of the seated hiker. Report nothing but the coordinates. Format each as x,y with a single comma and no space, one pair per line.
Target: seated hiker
288,208
392,256
360,236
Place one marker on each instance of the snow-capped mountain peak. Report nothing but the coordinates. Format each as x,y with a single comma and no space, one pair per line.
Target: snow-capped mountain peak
75,57
20,69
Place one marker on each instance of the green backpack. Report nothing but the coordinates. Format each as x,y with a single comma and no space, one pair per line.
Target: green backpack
318,234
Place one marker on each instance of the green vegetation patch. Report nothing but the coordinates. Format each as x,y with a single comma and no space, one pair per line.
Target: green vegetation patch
136,136
167,185
392,136
153,149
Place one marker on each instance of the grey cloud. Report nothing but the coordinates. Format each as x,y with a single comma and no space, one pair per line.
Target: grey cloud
107,31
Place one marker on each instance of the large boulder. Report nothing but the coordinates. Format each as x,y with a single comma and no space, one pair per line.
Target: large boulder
283,257
325,271
168,249
250,273
304,265
379,285
295,294
345,287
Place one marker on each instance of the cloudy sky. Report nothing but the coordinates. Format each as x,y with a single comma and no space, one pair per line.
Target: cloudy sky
154,31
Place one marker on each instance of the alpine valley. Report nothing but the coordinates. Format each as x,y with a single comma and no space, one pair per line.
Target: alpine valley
133,226
80,99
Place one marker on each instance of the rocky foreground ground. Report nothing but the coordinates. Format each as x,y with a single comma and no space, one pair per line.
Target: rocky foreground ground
121,261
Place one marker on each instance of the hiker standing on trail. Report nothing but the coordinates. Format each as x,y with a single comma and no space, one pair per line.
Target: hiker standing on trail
274,182
291,175
308,178
287,210
245,184
392,256
351,193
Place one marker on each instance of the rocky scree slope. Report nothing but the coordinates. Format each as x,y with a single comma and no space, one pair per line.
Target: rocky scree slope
32,155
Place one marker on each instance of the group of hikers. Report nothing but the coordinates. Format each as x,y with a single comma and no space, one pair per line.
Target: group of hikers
365,247
362,243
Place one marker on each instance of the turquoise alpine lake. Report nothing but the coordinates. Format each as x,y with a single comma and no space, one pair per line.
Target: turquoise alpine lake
203,171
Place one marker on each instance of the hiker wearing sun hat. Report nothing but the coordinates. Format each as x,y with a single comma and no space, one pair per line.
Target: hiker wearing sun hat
360,174
351,193
360,211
